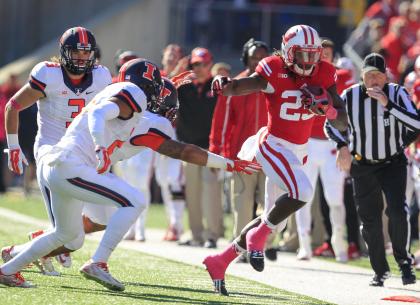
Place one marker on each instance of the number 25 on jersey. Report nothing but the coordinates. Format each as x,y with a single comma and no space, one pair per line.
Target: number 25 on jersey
293,110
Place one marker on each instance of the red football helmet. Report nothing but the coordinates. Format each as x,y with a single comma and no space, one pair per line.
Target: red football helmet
301,49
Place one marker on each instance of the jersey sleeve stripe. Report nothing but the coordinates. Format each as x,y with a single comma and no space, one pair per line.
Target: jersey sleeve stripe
158,132
150,139
267,66
37,84
126,97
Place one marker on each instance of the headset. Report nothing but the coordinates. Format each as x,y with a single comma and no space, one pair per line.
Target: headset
248,45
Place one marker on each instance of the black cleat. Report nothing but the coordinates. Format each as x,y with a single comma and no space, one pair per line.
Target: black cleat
378,280
256,259
220,288
407,274
271,254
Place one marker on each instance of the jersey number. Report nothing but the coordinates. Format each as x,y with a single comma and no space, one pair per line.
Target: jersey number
293,111
80,104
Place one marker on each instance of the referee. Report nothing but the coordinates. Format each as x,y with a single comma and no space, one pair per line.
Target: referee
383,121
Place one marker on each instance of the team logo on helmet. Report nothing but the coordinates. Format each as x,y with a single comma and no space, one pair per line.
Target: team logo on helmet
146,76
301,49
77,39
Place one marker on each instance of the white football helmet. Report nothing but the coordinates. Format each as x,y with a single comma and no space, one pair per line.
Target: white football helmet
301,49
345,63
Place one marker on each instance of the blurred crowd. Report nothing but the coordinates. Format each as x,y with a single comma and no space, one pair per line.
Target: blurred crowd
220,124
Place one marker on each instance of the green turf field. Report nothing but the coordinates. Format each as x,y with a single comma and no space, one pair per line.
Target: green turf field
34,206
148,279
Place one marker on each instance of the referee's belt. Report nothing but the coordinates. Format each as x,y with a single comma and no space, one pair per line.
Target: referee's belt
360,160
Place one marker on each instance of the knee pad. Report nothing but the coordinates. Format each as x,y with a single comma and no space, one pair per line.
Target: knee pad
66,237
76,243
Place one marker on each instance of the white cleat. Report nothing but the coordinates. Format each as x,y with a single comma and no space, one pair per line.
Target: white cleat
99,273
14,280
5,253
64,260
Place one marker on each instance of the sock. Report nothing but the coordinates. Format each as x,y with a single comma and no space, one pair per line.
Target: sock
36,249
217,264
118,225
18,248
256,237
229,254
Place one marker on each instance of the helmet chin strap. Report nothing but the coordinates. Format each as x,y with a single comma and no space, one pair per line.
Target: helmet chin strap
301,71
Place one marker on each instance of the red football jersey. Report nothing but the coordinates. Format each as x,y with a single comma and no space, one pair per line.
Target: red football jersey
287,118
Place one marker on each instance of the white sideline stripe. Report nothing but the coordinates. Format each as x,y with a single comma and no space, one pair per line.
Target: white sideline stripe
15,216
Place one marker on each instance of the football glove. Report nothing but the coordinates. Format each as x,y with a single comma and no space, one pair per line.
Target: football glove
183,78
16,159
218,83
104,162
243,166
318,104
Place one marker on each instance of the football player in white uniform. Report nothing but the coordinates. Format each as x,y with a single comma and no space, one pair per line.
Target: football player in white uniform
61,90
77,168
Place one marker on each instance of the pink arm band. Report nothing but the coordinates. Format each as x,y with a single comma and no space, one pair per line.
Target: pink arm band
14,104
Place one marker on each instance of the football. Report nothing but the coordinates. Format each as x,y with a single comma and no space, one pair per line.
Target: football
315,90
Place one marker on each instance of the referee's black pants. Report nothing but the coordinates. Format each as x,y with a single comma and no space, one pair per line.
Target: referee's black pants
369,183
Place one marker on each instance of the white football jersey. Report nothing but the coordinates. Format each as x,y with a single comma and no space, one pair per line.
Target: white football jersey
63,99
150,123
78,141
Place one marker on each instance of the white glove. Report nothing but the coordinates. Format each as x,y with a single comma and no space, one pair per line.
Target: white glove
104,162
16,158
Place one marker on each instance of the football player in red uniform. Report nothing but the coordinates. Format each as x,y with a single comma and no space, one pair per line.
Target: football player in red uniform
281,147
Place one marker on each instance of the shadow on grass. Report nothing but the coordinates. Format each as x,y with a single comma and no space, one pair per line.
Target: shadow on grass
173,299
186,289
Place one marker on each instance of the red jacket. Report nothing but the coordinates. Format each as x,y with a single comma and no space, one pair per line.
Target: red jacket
235,119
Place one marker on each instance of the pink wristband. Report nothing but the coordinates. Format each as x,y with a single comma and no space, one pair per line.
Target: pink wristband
15,104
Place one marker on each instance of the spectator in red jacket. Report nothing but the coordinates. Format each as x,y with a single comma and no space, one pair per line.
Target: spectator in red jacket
235,119
394,47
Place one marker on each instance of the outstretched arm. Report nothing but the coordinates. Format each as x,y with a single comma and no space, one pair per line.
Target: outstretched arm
193,154
186,152
242,86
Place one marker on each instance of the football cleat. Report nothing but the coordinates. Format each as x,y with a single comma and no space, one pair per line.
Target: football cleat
14,280
256,259
216,269
5,253
44,264
408,275
64,260
324,250
353,251
378,280
171,234
99,273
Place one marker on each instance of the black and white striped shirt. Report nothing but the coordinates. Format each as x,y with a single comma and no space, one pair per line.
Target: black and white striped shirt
377,132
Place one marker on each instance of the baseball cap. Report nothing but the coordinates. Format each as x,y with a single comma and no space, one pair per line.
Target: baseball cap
200,55
374,62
